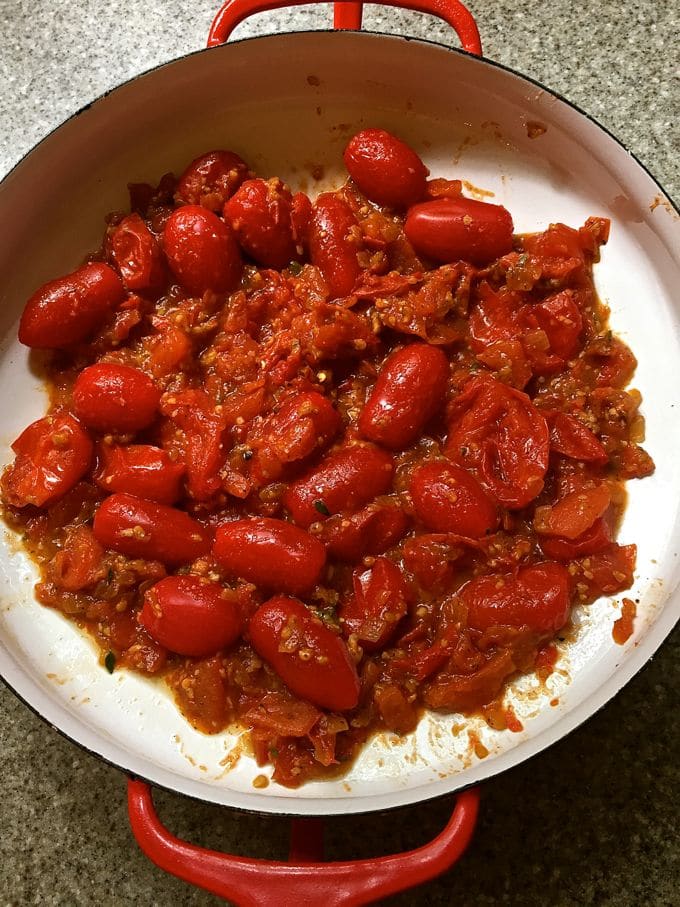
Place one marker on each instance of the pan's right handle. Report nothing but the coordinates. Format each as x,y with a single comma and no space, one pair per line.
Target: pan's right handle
262,883
348,16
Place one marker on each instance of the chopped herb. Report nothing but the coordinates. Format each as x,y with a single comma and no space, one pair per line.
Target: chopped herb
464,451
110,661
109,575
273,753
295,267
247,454
321,507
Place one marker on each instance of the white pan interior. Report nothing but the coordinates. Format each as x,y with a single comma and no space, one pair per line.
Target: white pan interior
287,103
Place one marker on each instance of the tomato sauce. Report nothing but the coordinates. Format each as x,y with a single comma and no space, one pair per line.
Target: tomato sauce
321,465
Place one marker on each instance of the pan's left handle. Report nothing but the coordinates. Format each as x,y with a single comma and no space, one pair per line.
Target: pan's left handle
347,15
261,883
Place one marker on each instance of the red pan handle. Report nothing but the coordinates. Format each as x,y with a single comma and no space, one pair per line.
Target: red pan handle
348,16
261,883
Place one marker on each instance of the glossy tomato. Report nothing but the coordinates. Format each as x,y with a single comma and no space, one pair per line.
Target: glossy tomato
536,597
137,255
139,469
334,237
409,392
272,554
459,229
260,216
373,612
191,615
201,251
52,455
311,659
67,310
145,529
497,433
115,398
386,169
345,479
446,498
211,179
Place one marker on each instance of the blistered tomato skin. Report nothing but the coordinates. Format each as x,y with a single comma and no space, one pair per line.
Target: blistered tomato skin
536,597
211,179
409,392
152,531
260,216
333,244
311,660
67,310
191,615
115,398
373,612
345,479
498,434
272,554
303,425
385,169
139,469
137,255
446,498
202,251
459,229
52,455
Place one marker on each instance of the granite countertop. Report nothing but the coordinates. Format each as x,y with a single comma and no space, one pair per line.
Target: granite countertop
591,821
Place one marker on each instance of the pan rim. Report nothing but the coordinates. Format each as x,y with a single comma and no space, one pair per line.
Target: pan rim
634,660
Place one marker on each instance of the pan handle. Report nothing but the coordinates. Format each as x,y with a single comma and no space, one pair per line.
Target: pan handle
260,883
347,15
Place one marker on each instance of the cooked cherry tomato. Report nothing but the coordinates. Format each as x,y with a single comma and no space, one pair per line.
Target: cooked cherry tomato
605,572
201,251
270,553
432,558
595,539
137,254
69,309
573,439
459,229
139,528
300,217
112,397
446,498
211,179
308,657
574,514
260,216
191,615
536,597
203,427
344,480
304,424
377,527
333,243
408,393
79,564
386,169
560,318
377,606
139,469
498,434
52,455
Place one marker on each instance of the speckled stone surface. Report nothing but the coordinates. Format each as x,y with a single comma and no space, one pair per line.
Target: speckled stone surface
593,821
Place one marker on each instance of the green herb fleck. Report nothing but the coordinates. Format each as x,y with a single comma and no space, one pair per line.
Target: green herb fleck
110,661
295,268
273,753
464,451
320,506
110,574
